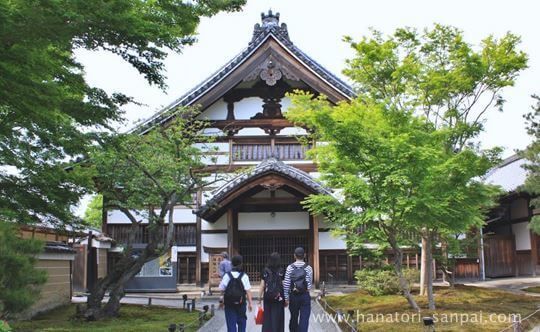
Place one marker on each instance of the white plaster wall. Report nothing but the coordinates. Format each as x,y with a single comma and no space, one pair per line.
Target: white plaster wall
212,241
180,215
292,131
264,220
251,132
247,108
213,146
213,132
220,224
118,217
328,241
216,111
523,237
285,104
213,159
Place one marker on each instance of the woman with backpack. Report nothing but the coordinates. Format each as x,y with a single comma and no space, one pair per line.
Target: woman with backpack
271,293
236,289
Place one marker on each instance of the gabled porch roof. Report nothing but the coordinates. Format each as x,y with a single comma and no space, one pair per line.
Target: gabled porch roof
270,174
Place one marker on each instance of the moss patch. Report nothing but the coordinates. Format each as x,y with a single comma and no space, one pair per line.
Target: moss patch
535,289
462,308
132,318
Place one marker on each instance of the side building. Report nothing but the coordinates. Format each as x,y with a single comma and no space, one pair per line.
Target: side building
258,210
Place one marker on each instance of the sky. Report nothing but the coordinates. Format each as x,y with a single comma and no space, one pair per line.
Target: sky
317,27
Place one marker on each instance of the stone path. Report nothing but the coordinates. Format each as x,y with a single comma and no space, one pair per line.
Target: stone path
509,284
318,321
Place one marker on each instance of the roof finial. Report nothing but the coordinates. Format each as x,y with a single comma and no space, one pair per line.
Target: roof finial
270,23
270,19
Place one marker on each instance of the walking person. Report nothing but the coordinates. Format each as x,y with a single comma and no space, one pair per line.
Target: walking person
296,286
236,289
271,293
225,265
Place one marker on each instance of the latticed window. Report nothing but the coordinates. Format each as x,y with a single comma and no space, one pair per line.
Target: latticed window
256,152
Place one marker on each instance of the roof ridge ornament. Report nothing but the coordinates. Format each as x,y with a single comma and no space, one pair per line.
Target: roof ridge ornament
270,23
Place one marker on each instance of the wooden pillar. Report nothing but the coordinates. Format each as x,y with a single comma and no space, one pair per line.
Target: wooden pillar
314,248
198,245
232,231
534,253
349,269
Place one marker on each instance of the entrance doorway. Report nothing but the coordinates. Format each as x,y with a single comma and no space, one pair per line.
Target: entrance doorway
186,268
256,247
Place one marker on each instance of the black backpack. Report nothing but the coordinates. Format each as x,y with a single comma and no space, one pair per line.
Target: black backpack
273,286
234,292
298,279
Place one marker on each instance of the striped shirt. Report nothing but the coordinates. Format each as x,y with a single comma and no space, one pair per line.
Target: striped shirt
287,280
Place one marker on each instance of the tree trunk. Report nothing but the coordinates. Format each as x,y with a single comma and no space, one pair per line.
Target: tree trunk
126,268
403,283
423,264
447,269
429,268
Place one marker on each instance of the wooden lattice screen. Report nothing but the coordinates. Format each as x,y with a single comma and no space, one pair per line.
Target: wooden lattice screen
255,249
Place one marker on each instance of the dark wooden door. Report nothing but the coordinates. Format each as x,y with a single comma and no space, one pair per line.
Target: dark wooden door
256,247
334,266
186,268
500,255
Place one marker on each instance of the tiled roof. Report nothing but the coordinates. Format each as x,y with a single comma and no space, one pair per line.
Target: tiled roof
58,247
269,28
271,165
509,174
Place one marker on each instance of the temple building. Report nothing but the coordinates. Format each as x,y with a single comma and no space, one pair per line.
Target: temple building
256,209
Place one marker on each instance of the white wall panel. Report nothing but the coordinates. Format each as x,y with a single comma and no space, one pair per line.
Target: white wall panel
212,241
220,224
264,220
213,159
216,111
118,217
523,237
247,108
213,146
327,241
292,131
251,132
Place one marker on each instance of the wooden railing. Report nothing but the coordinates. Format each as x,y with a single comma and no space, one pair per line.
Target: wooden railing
256,152
184,234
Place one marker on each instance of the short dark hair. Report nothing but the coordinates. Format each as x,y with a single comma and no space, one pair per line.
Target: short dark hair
299,253
274,261
225,255
236,261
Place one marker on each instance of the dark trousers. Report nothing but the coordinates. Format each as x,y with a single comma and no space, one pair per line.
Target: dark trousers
300,307
274,316
236,316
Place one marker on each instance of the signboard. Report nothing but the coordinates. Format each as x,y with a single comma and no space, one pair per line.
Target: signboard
213,269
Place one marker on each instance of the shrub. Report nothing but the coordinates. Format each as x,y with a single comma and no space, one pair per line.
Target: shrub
384,281
4,326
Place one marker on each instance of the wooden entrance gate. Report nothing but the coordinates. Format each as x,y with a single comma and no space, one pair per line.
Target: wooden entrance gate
256,247
500,255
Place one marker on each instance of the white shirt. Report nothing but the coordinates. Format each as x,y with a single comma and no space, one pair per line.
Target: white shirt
225,280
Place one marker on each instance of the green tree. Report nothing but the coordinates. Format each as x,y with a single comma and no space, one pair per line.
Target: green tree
48,112
19,281
93,215
144,177
532,155
434,75
394,174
